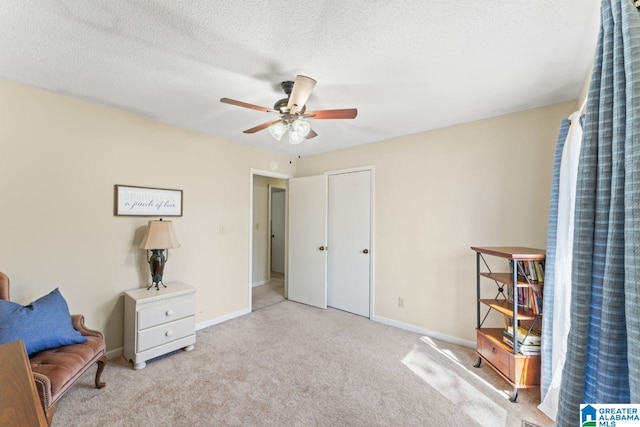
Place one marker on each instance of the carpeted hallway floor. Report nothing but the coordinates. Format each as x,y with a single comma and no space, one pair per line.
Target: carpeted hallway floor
268,294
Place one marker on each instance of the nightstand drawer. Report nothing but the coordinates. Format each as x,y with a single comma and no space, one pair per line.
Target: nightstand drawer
165,333
166,311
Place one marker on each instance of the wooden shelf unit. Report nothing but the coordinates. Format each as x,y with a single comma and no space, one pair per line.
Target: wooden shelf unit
519,370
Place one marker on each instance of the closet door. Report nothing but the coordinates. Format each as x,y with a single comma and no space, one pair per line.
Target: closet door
349,242
307,264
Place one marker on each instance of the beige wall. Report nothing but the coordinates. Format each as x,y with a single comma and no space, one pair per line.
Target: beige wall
261,233
436,194
585,88
485,183
60,158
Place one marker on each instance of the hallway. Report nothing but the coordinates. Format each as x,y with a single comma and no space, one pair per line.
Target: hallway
268,294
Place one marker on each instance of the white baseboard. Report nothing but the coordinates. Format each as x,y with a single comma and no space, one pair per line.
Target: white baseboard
260,283
432,334
221,319
112,354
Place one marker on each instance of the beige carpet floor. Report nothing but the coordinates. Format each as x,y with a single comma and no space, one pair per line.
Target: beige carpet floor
288,364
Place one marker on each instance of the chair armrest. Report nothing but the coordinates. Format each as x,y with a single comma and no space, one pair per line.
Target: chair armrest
43,384
78,323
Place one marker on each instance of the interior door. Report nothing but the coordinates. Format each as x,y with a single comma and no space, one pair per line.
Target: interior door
349,242
277,229
307,240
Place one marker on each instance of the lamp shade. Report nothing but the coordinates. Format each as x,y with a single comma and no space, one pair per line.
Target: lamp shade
159,235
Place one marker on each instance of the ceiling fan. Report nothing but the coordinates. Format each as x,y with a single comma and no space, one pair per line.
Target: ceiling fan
292,112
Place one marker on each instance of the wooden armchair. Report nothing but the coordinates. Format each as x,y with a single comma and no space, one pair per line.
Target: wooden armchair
56,370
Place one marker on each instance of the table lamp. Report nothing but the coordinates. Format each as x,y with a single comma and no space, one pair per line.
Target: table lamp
159,236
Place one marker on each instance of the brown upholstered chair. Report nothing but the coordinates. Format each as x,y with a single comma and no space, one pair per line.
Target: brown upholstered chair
56,370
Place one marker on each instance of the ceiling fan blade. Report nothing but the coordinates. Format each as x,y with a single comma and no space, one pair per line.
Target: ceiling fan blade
260,127
302,88
247,105
311,134
347,113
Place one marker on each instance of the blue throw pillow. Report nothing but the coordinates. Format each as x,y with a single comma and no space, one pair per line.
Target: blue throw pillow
43,324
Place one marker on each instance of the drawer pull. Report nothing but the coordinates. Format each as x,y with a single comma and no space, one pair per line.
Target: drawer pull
493,350
168,313
168,333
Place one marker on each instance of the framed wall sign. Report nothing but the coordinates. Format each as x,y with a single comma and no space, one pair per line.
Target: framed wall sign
145,201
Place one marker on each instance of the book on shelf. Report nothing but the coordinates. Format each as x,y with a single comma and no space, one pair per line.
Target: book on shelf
523,297
529,297
525,337
525,269
525,349
536,299
524,331
520,269
532,271
539,265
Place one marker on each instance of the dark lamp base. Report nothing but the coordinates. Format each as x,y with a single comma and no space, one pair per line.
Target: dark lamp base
156,265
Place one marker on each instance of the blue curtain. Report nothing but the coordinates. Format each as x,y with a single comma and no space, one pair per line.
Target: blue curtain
549,274
603,354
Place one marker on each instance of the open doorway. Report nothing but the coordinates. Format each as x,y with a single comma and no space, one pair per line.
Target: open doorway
277,211
268,240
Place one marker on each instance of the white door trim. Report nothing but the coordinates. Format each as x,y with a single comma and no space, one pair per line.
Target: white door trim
372,251
269,174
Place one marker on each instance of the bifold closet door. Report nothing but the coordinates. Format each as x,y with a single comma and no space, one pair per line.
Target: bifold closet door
307,264
349,242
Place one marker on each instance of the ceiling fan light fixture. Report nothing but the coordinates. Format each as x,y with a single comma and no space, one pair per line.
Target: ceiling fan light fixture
295,137
298,129
302,127
278,129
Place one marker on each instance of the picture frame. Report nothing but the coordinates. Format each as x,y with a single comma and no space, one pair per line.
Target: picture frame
147,201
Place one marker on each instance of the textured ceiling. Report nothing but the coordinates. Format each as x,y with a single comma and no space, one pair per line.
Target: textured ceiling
408,66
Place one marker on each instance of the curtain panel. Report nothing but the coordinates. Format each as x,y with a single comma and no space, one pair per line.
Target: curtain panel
549,281
603,352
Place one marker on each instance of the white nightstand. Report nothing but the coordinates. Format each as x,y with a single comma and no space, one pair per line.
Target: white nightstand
157,322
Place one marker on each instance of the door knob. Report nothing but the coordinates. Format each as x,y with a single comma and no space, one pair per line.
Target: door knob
366,251
321,248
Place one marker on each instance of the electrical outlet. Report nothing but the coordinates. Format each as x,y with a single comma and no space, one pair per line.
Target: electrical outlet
401,302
